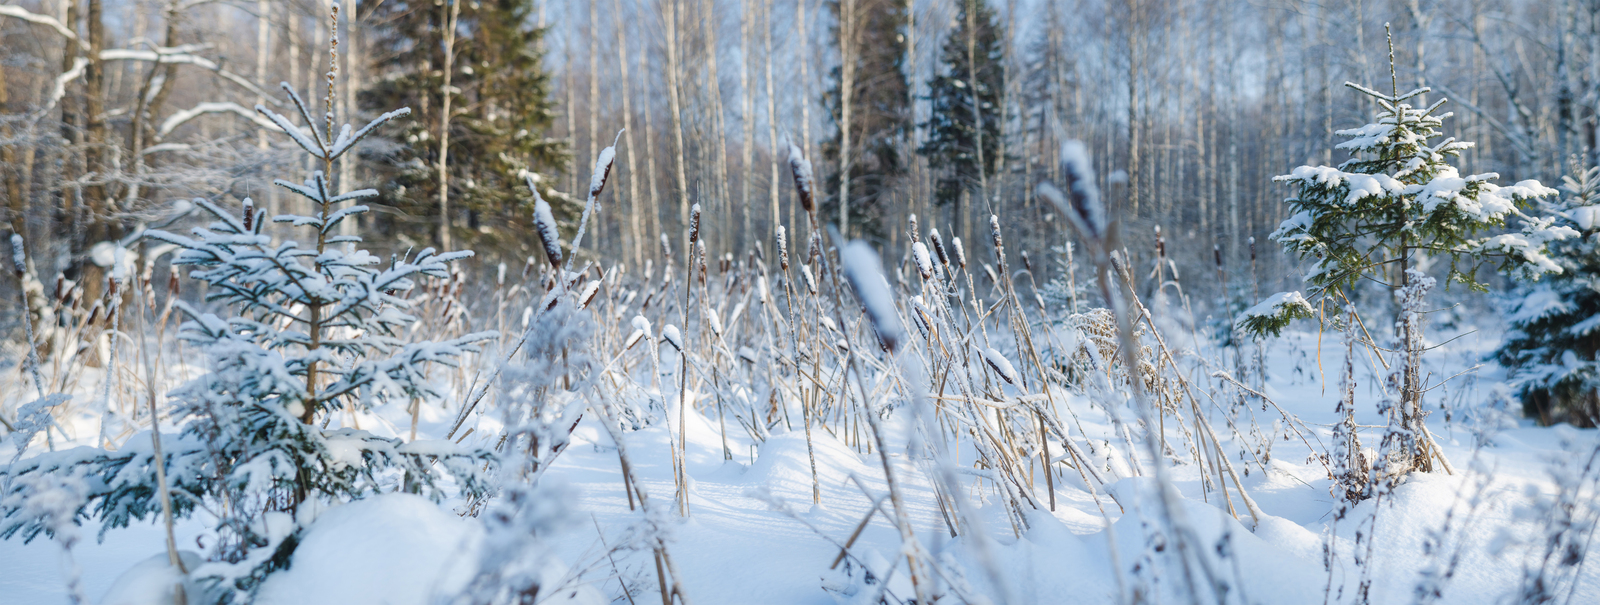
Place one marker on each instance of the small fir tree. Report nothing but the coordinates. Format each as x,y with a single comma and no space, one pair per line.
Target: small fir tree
1373,216
316,329
1555,323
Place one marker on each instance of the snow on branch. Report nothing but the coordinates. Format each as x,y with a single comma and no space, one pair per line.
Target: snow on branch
178,119
45,20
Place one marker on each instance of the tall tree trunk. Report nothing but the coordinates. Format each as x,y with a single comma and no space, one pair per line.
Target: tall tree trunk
454,14
650,150
847,88
772,127
748,105
674,79
634,207
718,116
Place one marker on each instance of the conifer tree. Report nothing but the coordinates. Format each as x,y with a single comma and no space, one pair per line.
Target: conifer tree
1373,217
963,145
316,329
880,117
1555,323
502,113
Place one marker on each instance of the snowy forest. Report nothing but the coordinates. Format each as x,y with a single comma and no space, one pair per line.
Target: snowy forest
799,301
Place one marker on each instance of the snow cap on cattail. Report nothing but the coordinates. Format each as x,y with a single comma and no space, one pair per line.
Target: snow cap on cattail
602,169
864,271
924,262
912,232
801,167
249,213
1026,264
545,223
587,295
994,231
1000,365
938,247
19,255
1081,201
694,224
666,249
961,253
500,275
783,248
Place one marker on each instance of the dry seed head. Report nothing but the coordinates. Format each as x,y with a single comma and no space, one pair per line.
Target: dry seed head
938,247
800,167
1026,264
700,258
961,253
912,233
783,248
666,248
994,231
602,169
19,255
545,223
1081,201
919,252
694,224
249,213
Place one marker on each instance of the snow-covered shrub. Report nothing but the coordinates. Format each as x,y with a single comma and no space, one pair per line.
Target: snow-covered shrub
314,330
1555,323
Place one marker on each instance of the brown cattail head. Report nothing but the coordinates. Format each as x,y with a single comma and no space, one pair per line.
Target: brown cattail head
961,253
1026,264
1161,244
172,281
938,247
1081,201
1252,242
813,247
800,167
666,249
528,267
783,248
912,232
249,214
1216,255
19,255
700,260
994,231
545,223
602,169
694,224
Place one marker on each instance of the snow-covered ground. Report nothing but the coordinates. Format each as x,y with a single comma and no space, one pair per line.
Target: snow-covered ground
754,535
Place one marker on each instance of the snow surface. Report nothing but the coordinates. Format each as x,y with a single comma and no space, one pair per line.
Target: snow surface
737,548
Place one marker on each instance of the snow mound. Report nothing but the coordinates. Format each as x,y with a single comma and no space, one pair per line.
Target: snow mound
394,549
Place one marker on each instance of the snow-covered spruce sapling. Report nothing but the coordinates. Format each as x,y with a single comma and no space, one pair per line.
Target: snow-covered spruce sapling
1555,322
314,331
1396,199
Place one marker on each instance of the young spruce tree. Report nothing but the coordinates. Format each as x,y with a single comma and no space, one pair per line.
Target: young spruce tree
1372,218
1555,323
316,329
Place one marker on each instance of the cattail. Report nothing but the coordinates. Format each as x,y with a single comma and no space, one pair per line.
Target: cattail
813,247
1026,264
994,232
249,213
1081,202
172,281
1161,244
528,267
587,295
938,247
694,224
700,260
1252,243
1000,365
811,283
961,253
545,223
912,233
1216,255
919,252
19,255
666,249
801,168
500,275
602,169
783,248
864,271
